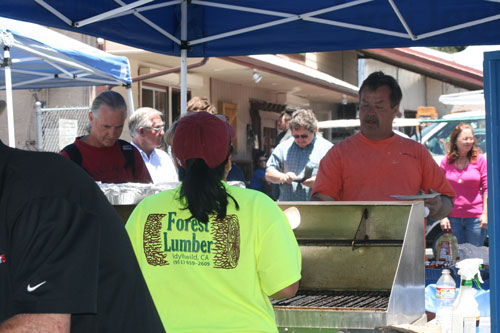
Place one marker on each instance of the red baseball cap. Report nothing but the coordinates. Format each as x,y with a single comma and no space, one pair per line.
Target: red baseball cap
202,135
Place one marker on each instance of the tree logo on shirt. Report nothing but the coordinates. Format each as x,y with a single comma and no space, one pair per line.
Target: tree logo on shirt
180,239
152,241
226,234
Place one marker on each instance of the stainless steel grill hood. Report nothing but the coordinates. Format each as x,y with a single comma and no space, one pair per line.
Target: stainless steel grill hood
362,267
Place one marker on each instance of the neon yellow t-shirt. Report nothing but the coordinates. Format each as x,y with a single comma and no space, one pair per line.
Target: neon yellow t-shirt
216,276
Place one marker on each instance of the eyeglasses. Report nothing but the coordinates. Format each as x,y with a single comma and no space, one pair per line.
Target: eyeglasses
260,161
158,128
303,136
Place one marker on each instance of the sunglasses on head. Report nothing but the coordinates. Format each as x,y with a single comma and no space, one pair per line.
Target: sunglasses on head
303,136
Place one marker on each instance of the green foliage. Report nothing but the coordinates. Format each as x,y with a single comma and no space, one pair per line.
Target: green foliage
450,49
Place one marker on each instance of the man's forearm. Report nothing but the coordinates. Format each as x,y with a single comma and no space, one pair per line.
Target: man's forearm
274,176
43,322
321,197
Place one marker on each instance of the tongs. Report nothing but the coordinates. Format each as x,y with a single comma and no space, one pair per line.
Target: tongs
361,232
308,170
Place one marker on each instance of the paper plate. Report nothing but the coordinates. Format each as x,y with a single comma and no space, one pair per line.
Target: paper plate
416,197
293,216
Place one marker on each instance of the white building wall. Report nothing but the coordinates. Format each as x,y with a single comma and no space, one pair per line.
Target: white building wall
413,88
434,90
340,64
437,88
371,65
24,111
24,119
323,111
240,95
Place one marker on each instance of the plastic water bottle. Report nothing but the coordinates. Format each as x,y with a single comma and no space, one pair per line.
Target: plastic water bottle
445,296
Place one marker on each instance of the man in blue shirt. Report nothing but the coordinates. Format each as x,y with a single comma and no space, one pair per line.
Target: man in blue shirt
294,162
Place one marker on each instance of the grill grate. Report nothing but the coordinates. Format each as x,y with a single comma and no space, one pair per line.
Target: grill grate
337,299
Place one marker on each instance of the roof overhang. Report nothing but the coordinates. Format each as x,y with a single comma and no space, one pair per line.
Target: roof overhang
279,74
295,71
429,65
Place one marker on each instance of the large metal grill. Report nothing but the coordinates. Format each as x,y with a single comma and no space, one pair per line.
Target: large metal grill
362,267
354,300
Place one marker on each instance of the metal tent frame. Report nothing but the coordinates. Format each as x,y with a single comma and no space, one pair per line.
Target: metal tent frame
194,28
267,21
36,57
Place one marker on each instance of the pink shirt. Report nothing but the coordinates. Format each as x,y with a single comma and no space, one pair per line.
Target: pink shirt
469,184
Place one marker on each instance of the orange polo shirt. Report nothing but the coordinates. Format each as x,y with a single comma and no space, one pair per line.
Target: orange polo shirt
359,169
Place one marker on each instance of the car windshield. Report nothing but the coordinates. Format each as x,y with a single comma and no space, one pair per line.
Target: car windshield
429,128
424,130
438,143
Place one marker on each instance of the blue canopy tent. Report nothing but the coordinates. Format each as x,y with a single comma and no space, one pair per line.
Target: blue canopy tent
194,28
36,57
197,28
492,100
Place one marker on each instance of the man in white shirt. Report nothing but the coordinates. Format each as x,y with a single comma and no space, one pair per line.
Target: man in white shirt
147,128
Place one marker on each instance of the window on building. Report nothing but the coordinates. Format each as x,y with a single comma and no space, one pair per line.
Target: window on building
269,124
176,102
156,97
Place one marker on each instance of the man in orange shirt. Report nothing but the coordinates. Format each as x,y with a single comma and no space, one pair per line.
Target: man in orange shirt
375,164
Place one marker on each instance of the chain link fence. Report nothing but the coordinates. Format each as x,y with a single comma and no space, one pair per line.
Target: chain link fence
58,127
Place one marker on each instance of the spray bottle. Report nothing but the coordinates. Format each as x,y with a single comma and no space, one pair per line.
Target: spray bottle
465,311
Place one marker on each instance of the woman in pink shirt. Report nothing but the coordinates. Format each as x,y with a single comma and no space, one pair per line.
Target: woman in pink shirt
465,169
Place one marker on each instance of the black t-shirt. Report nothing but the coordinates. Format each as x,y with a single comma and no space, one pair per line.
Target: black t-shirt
63,248
279,137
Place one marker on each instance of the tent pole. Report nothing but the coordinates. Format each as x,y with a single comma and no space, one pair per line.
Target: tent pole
38,105
183,82
130,99
8,95
183,58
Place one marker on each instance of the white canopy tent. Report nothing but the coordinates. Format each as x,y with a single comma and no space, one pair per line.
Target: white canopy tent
348,123
464,98
465,101
36,57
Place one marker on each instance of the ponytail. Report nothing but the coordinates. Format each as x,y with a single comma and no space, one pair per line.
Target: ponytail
203,190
